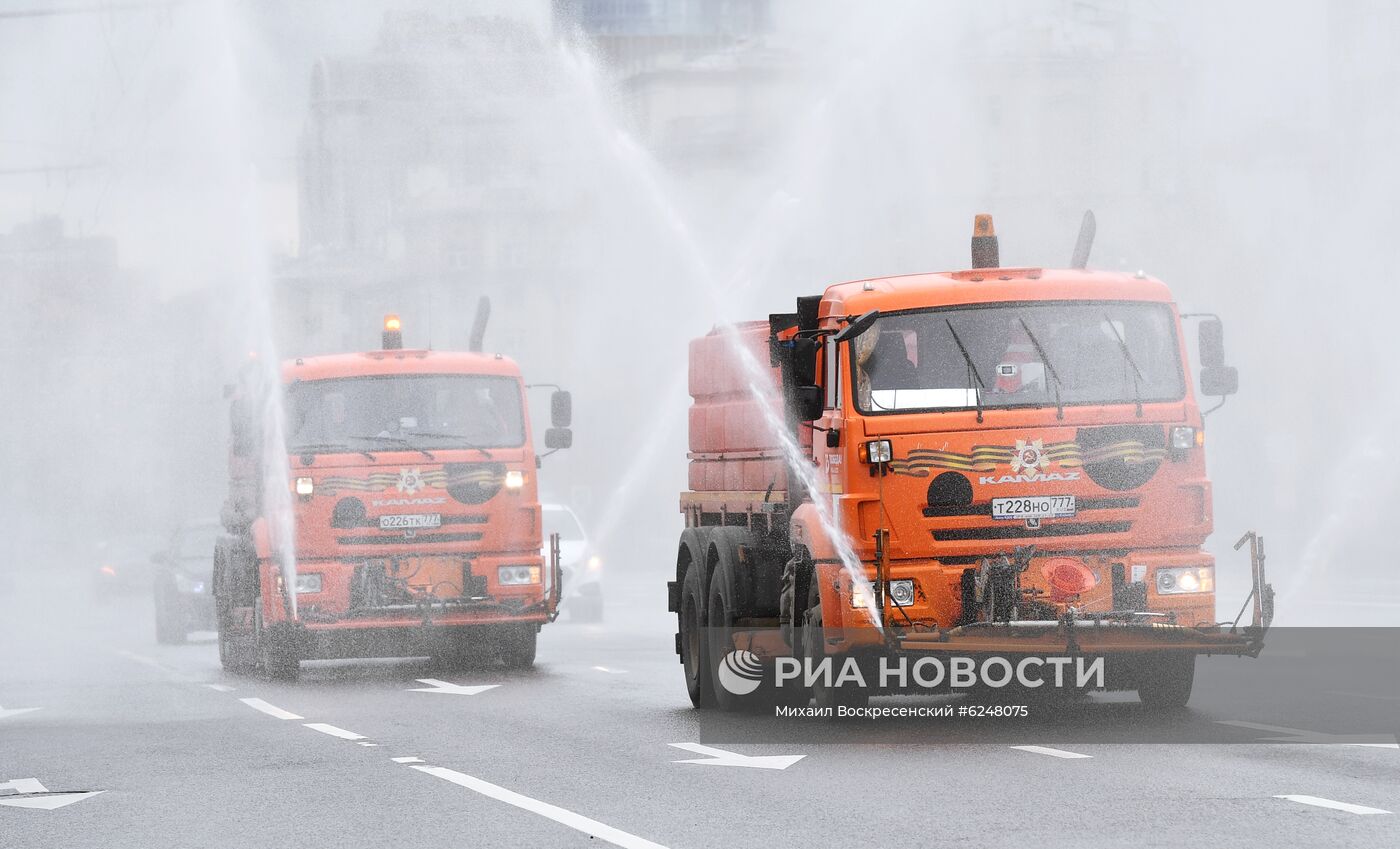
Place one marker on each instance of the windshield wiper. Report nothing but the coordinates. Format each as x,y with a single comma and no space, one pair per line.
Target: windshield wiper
332,447
399,440
971,370
1128,355
462,439
1045,361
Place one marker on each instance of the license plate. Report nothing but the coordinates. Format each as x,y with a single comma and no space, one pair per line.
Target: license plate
1033,507
410,520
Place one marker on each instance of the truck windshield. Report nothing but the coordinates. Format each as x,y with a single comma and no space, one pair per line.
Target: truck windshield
404,412
1018,355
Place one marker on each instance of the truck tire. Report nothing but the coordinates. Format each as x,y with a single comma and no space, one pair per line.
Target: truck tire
237,652
517,647
726,603
277,656
826,696
170,626
692,618
1165,681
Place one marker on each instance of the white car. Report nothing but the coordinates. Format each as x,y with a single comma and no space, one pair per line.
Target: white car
582,566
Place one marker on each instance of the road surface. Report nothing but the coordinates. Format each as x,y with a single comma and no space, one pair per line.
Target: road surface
596,746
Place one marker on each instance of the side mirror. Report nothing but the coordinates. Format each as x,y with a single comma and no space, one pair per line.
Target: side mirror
808,403
557,438
1219,380
804,360
561,409
1212,336
857,326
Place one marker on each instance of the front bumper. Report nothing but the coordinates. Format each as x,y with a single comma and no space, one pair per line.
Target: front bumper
367,593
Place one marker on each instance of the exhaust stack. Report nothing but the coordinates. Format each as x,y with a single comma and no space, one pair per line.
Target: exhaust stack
1085,242
985,251
483,314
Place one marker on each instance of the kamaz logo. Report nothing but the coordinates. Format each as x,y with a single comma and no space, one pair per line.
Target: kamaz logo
1036,478
406,502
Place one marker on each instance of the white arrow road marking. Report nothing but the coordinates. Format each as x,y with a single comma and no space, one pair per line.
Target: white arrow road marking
333,731
30,793
436,686
1320,802
578,822
47,801
1054,753
24,785
1298,735
719,757
270,710
5,712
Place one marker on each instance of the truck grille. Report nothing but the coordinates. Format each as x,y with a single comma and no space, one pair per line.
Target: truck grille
1019,531
398,538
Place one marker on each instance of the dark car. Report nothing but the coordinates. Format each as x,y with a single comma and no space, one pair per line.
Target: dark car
183,581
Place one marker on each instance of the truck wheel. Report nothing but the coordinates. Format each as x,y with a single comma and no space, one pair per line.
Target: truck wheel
236,650
170,629
1165,683
277,657
694,652
827,696
721,609
517,647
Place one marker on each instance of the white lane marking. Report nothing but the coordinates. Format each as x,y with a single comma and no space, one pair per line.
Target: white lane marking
611,671
578,822
407,760
368,744
436,686
1054,753
333,731
1320,802
222,688
1298,735
720,757
6,712
270,710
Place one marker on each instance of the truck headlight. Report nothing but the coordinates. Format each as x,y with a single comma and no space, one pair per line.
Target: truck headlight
902,592
1185,438
878,451
305,486
308,583
515,479
1189,579
595,563
510,576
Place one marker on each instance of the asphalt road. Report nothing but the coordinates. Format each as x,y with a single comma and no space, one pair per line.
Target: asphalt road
582,751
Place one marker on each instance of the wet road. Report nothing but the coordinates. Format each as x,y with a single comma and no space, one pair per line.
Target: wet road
582,751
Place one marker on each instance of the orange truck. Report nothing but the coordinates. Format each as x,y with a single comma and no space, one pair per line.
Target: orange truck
996,462
410,524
